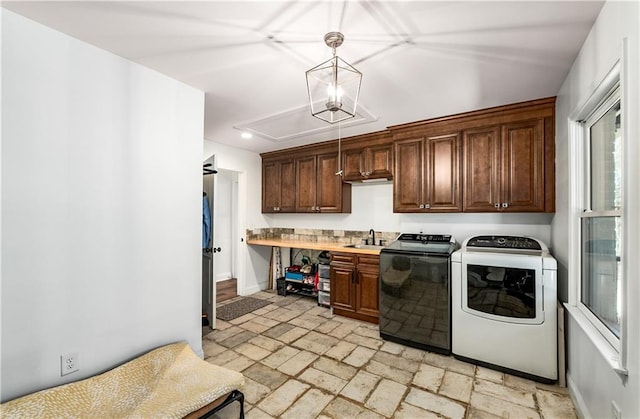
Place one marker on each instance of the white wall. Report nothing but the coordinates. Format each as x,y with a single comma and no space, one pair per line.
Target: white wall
101,208
372,207
592,381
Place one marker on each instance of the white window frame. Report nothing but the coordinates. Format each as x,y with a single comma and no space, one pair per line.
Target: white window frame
602,108
614,351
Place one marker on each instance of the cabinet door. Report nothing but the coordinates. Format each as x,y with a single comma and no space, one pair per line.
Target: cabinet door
329,185
353,164
523,166
442,173
481,166
287,186
408,176
271,188
366,298
306,179
379,161
342,286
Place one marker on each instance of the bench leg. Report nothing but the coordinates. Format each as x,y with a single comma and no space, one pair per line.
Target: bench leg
235,395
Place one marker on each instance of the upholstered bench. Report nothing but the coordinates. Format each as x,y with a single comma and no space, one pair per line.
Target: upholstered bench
168,382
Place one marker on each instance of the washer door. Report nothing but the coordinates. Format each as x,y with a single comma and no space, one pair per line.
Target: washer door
506,288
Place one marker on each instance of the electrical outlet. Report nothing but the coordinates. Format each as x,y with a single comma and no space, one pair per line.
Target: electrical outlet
69,363
616,413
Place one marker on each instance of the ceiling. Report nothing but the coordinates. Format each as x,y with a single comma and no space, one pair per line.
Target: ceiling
420,59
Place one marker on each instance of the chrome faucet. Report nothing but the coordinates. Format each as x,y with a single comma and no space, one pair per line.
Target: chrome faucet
372,234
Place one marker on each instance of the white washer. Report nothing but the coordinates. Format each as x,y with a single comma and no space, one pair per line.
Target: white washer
504,292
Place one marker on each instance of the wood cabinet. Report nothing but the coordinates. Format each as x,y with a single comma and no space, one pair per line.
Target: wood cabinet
354,285
278,186
375,162
319,189
304,184
504,167
427,174
496,159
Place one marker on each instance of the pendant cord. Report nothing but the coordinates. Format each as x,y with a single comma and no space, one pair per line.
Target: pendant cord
339,172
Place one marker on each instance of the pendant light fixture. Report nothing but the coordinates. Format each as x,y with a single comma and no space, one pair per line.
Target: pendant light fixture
334,85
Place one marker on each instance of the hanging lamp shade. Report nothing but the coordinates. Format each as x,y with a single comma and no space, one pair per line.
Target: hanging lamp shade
334,85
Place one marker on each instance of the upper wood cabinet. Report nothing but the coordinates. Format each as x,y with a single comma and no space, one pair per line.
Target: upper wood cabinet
374,162
278,186
319,188
427,174
497,159
504,167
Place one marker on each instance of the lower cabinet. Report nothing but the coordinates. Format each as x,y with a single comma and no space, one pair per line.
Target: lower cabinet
354,285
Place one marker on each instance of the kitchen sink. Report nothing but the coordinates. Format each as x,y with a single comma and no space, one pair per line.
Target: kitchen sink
364,246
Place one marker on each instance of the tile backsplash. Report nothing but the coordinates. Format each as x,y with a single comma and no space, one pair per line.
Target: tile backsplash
319,235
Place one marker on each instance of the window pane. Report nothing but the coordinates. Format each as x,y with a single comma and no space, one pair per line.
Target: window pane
601,269
605,145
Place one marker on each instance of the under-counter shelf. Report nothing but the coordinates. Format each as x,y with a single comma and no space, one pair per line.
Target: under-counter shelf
294,286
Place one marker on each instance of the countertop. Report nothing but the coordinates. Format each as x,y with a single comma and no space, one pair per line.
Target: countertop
331,247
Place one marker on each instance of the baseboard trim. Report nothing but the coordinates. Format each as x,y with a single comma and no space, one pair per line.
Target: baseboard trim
576,397
250,290
200,352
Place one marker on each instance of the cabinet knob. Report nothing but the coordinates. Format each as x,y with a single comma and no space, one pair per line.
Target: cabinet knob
505,205
497,205
421,205
427,206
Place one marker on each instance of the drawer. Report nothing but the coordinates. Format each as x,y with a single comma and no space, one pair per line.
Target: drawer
323,271
324,298
368,260
343,257
324,284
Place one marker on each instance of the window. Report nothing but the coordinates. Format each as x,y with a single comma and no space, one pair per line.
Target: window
601,219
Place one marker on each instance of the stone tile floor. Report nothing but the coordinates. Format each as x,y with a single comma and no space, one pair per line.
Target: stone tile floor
300,361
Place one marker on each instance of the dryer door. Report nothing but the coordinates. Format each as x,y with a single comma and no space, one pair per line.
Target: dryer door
503,287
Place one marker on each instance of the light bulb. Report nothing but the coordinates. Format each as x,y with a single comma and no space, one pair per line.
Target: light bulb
334,97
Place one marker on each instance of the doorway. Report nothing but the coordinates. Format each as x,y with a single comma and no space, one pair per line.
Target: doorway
225,222
219,259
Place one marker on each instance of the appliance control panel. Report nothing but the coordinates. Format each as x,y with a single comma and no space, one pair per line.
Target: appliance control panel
425,238
504,242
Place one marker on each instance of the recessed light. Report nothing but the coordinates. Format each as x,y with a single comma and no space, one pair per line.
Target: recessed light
246,135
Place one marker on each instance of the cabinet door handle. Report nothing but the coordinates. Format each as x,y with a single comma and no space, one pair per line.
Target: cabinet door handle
497,205
427,206
421,205
505,205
